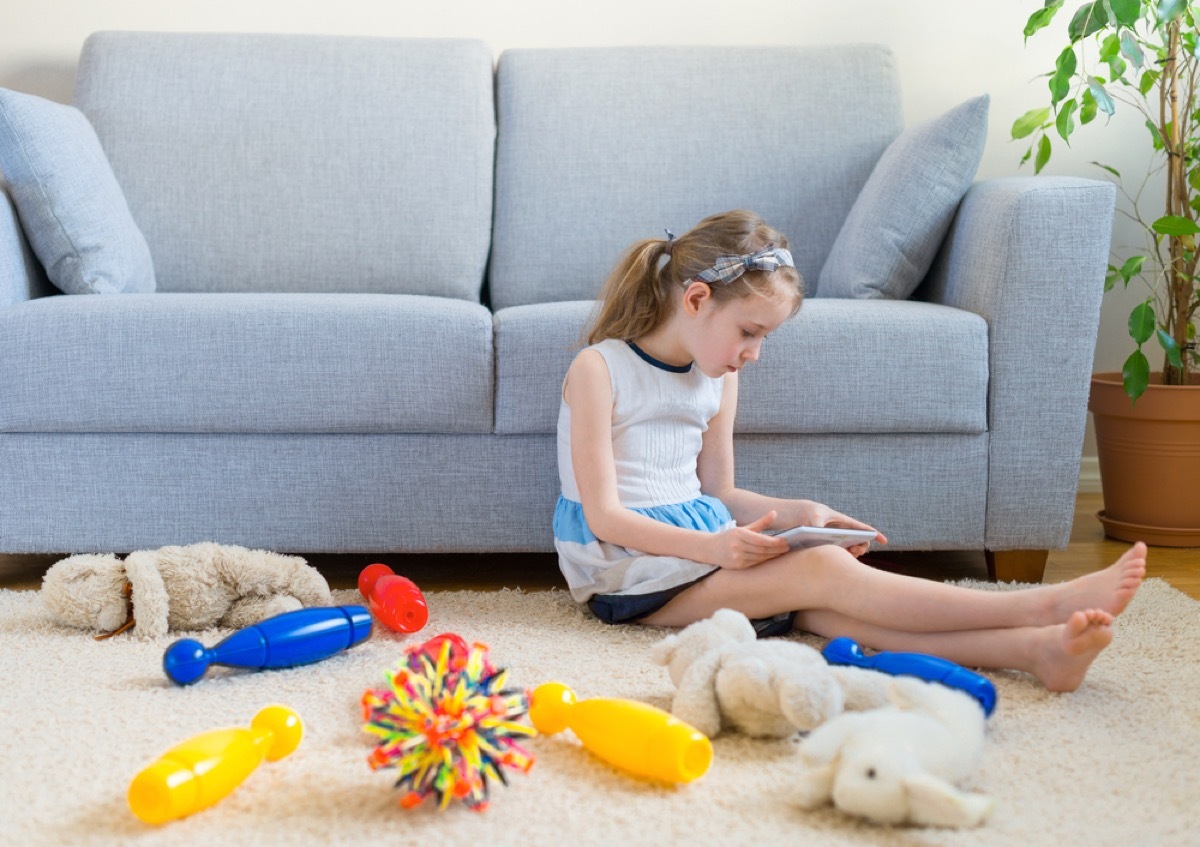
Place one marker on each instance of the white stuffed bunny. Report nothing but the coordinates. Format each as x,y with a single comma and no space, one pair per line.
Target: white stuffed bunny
900,763
192,587
725,676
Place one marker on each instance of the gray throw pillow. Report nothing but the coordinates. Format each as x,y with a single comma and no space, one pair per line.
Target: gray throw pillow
71,208
894,228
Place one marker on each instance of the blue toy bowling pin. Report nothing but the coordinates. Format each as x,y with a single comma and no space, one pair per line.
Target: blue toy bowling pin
284,641
845,651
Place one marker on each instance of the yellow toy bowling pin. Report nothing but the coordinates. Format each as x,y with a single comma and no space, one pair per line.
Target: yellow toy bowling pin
633,736
202,770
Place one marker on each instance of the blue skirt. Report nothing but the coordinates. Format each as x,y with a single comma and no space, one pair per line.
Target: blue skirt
595,567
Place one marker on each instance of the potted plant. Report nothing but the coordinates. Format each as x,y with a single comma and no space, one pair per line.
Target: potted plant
1141,54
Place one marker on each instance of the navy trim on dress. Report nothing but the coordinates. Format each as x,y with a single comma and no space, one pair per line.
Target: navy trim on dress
646,357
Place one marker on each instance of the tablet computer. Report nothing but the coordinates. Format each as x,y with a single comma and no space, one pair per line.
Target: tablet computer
812,536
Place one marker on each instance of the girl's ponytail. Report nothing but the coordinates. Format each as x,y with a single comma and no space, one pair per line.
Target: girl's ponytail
634,298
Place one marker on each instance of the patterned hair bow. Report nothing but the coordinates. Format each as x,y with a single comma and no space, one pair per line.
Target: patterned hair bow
729,269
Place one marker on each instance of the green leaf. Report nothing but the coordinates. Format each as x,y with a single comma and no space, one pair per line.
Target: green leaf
1136,375
1116,69
1141,322
1066,63
1043,154
1188,41
1030,121
1175,225
1155,135
1103,101
1087,108
1064,70
1167,342
1126,12
1089,18
1148,80
1066,121
1042,17
1131,49
1108,168
1168,10
1059,87
1109,47
1131,268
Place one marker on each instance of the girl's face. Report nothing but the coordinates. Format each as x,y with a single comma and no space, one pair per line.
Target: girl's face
729,335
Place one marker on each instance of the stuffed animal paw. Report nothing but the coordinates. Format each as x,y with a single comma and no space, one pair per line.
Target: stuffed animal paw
179,588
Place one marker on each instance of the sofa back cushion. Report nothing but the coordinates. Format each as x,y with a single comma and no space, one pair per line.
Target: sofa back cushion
300,163
601,147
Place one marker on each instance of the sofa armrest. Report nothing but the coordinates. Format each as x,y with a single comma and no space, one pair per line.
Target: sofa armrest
1029,255
21,275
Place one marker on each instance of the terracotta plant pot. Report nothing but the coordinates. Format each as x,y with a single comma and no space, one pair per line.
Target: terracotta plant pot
1149,455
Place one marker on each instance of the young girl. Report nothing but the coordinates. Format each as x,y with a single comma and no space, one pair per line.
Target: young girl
650,528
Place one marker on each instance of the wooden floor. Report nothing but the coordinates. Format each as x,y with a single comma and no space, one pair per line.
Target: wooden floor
1088,550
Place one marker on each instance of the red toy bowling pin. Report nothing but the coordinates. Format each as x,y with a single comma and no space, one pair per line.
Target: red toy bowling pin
395,602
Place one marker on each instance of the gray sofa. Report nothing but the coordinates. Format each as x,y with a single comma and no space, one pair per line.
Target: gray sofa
375,257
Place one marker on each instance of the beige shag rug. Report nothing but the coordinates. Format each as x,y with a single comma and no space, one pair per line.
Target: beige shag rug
1115,763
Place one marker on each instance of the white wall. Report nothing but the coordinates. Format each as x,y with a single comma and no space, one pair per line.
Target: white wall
947,51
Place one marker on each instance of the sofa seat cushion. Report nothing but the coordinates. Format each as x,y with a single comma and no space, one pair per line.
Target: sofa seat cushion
250,363
838,366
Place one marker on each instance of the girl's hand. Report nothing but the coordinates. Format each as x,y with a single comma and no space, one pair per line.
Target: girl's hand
746,546
824,516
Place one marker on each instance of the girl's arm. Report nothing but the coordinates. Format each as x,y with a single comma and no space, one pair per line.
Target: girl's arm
716,470
588,391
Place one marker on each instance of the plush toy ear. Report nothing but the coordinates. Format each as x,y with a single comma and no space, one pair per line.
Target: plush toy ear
664,651
696,700
151,604
814,787
935,802
735,625
825,742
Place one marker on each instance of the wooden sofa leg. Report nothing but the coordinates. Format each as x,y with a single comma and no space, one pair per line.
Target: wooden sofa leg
1016,565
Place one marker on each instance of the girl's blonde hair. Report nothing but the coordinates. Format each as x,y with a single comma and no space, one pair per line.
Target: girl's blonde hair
638,295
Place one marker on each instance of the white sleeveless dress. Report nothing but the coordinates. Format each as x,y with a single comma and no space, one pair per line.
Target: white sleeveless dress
660,414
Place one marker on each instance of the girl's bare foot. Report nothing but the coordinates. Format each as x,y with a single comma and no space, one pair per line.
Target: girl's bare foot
1110,589
1063,653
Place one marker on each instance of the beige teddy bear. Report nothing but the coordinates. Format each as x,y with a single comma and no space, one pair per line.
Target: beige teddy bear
725,676
179,588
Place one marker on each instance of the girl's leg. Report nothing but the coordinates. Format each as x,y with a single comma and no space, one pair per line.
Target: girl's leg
829,578
1058,655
